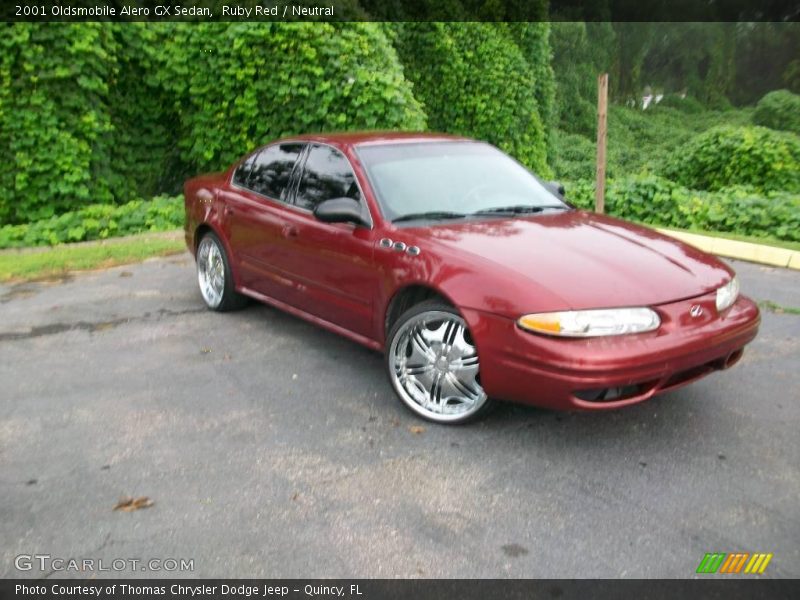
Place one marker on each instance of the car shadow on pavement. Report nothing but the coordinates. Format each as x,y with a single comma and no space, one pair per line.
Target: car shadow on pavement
659,419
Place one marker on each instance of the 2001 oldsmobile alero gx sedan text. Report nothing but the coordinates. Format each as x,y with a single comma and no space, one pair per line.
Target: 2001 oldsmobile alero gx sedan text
476,279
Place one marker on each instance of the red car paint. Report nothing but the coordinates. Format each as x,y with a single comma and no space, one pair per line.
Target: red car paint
340,277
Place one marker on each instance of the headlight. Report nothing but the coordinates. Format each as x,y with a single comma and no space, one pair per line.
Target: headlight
592,323
727,294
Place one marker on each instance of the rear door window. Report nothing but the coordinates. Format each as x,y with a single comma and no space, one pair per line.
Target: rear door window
271,171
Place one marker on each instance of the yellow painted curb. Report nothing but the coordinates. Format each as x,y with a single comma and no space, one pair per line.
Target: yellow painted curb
765,255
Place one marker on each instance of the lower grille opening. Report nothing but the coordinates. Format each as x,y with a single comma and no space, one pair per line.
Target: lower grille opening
625,392
690,375
611,394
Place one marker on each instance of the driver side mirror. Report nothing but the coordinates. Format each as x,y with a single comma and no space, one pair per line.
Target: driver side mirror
340,210
555,188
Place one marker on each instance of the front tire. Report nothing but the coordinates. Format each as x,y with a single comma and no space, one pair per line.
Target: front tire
433,365
214,276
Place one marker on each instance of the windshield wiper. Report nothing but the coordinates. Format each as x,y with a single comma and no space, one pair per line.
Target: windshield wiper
431,214
519,209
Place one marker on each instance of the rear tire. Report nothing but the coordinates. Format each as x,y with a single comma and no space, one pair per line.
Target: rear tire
433,365
214,276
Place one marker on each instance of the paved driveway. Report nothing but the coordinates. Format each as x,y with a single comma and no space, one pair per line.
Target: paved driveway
273,449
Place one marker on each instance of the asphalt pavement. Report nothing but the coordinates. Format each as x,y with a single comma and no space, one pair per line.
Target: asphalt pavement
271,448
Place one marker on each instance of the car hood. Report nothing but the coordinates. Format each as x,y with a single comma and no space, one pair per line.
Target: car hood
583,260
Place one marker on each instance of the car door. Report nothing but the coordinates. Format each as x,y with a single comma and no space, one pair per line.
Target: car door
332,263
255,209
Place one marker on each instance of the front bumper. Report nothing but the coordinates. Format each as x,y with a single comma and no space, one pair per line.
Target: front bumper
610,372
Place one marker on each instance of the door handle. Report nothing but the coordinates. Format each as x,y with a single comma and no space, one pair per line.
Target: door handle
290,231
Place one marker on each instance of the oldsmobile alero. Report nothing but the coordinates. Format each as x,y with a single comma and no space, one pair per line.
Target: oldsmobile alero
475,278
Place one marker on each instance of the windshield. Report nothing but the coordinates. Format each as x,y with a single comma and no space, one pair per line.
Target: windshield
438,180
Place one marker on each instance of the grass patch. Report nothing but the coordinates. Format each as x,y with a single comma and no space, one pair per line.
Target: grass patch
764,241
53,262
776,308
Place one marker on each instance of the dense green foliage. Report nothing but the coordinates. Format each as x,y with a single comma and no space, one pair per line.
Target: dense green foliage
236,86
685,104
143,153
81,117
581,51
489,71
55,123
723,156
657,201
676,165
767,57
97,222
94,115
573,156
533,40
779,110
639,141
697,58
714,63
474,80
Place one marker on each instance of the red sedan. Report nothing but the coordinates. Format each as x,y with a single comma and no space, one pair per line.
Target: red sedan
476,279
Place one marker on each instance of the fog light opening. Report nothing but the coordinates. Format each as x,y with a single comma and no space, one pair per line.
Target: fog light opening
733,358
609,394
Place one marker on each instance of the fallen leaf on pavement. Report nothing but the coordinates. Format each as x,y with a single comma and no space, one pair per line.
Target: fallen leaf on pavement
128,504
416,429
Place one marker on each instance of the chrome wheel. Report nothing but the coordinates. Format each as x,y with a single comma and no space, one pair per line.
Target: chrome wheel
210,272
434,367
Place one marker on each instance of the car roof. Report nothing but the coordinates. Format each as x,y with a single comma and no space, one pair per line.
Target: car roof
361,138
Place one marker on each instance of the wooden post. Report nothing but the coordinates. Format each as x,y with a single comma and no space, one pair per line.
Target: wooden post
602,114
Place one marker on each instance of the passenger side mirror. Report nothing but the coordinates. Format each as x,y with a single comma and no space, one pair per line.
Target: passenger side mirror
340,210
555,188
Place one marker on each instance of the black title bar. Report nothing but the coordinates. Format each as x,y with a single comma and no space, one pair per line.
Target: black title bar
729,588
400,10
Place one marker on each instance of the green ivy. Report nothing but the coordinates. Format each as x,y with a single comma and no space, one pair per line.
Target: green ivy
580,54
533,40
54,117
764,159
238,85
97,222
473,80
144,156
660,202
573,156
109,112
779,110
686,104
639,141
